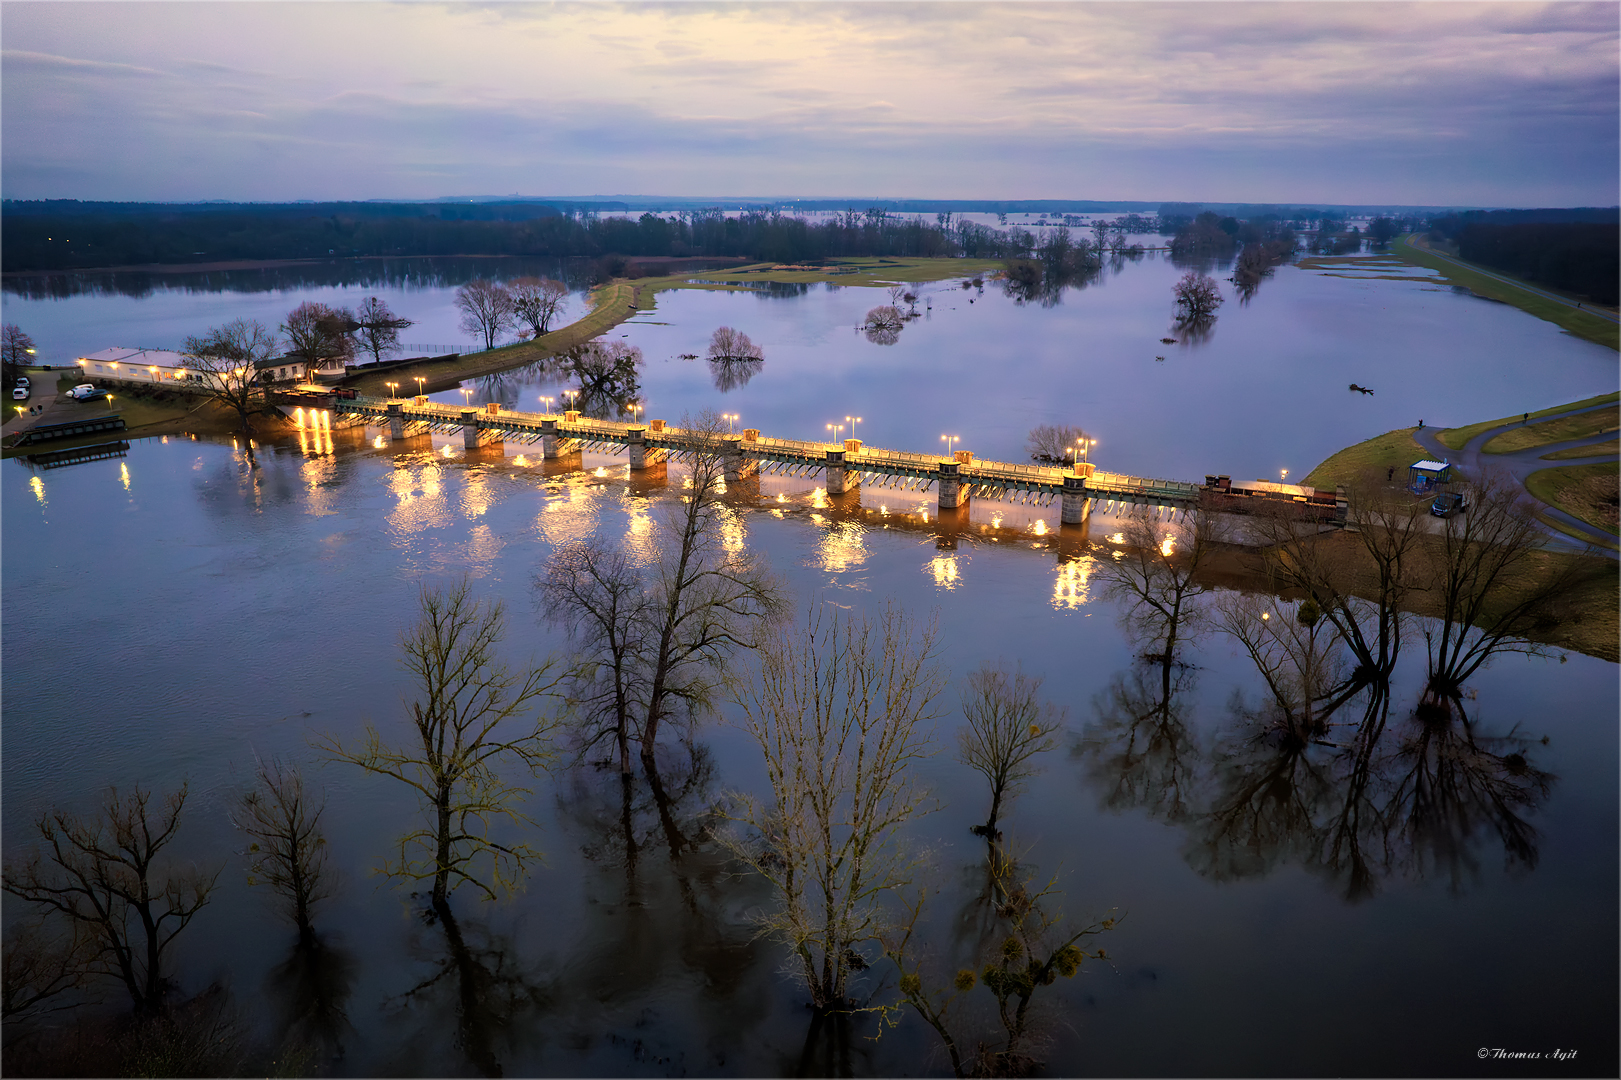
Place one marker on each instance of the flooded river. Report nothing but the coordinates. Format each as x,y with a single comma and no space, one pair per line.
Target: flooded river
176,615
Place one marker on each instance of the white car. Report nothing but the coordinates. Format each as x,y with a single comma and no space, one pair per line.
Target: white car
22,380
82,391
20,393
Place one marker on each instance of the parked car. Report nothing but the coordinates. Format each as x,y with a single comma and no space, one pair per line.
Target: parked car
22,380
82,391
20,393
1448,503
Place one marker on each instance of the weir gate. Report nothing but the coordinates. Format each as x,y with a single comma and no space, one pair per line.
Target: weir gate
842,467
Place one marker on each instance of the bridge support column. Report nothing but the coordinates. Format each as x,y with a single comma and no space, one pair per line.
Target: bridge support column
950,486
396,421
737,466
839,479
473,436
642,456
1075,508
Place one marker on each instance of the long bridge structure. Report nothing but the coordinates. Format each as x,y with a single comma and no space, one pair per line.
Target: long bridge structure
843,466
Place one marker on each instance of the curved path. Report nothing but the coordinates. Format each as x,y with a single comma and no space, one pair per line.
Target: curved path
1483,272
1522,463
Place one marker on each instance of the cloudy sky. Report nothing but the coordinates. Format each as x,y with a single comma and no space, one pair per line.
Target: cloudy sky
1412,103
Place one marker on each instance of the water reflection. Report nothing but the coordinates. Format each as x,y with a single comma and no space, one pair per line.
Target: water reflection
733,374
309,993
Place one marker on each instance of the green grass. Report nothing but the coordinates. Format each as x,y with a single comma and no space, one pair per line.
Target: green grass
1572,320
1590,450
1393,448
1585,492
1564,429
1457,438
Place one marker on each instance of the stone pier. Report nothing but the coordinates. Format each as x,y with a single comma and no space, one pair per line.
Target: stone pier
396,421
737,466
474,436
950,485
642,456
840,479
1076,506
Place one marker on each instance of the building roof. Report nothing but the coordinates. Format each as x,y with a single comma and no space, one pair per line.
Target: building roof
137,357
1431,466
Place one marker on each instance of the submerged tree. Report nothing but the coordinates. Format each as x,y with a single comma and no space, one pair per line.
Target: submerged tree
883,324
655,646
287,850
1197,297
106,873
474,715
729,344
841,711
1007,726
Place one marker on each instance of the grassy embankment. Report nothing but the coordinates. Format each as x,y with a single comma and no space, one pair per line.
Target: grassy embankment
618,301
1581,425
1613,446
1591,493
1576,321
1396,449
1457,438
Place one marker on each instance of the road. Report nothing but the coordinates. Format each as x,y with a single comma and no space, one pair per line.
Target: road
1522,463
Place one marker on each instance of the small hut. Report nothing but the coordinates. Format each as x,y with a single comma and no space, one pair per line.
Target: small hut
1428,475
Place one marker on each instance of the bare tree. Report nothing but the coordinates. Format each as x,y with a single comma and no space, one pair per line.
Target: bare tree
1030,948
486,308
319,335
1054,444
16,349
40,964
661,644
472,716
104,873
1155,576
729,344
1197,297
287,850
608,373
884,324
379,328
1008,725
227,361
840,711
536,301
1492,584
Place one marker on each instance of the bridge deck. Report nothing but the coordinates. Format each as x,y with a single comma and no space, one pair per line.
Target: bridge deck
984,477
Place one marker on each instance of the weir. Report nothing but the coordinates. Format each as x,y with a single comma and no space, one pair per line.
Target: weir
956,479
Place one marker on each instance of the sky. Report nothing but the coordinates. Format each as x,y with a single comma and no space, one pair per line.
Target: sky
1450,103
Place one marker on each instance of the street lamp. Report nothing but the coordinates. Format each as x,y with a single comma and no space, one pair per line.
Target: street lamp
546,401
467,397
393,390
1283,474
573,397
635,412
731,421
852,421
837,430
420,381
950,441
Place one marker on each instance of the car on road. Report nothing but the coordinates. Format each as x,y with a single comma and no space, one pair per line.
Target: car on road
1448,503
20,392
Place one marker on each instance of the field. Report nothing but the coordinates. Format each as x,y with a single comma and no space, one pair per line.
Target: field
1555,431
1588,492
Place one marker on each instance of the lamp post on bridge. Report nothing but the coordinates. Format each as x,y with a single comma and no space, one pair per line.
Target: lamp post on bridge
546,401
393,390
420,382
467,397
852,421
837,430
731,419
951,442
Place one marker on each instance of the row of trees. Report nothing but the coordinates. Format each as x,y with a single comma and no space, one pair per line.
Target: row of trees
493,309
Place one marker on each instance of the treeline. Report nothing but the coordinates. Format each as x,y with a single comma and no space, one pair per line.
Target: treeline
1574,250
51,236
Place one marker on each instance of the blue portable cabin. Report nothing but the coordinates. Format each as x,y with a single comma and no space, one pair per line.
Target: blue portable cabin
1428,475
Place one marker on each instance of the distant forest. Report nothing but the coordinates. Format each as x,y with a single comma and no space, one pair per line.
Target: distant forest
69,236
1578,251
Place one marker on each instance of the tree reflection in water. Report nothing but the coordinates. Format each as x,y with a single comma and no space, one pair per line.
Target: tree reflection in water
309,993
733,374
476,977
662,905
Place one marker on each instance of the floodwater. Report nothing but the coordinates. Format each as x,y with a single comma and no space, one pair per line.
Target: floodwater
175,616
